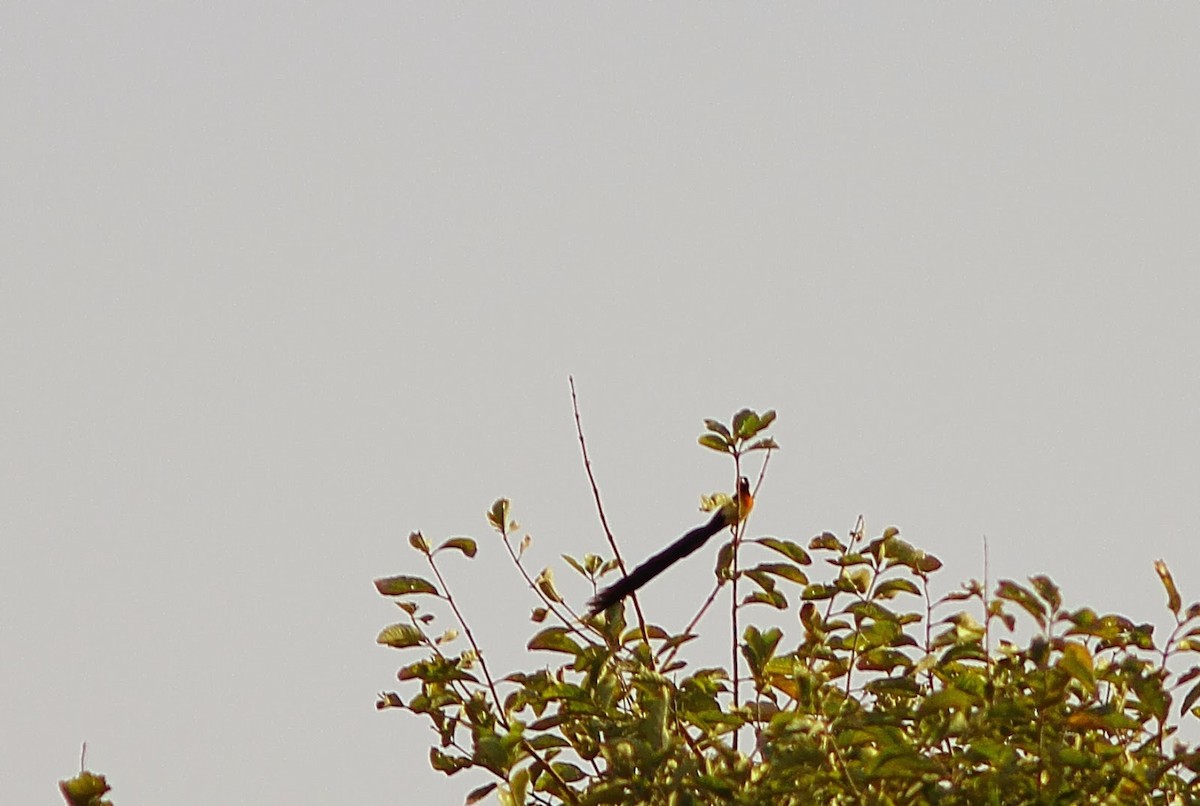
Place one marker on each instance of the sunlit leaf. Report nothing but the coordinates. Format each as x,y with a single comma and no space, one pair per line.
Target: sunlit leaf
498,515
714,442
1022,596
464,544
479,794
890,587
545,583
554,639
827,541
1077,662
418,542
1046,589
1173,600
785,570
443,762
400,585
773,598
1189,699
400,636
793,551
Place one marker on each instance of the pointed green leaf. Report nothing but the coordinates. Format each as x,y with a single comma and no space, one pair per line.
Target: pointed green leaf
554,639
1173,600
479,794
1189,699
827,541
418,542
718,428
571,561
745,424
765,444
464,544
545,584
400,636
773,598
400,585
714,442
1024,597
444,762
890,587
1077,662
785,570
1046,589
498,515
787,548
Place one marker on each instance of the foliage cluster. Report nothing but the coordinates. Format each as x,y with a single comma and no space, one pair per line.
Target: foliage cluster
880,691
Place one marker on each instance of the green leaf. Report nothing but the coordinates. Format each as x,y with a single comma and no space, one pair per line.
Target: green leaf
443,762
724,561
1022,596
745,424
818,591
773,598
765,444
1046,589
479,794
1173,600
948,699
1077,662
554,639
568,772
400,636
714,442
498,515
545,584
785,570
571,561
718,428
85,789
400,585
760,646
1189,699
464,544
519,785
890,587
418,542
827,541
787,548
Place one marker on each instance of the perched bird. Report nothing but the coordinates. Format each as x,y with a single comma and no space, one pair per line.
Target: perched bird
730,513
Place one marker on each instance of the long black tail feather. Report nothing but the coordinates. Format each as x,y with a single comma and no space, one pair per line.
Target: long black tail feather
654,566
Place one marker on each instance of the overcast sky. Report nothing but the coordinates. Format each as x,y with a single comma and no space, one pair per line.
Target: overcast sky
281,282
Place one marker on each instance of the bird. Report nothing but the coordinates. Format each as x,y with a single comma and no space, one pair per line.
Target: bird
727,515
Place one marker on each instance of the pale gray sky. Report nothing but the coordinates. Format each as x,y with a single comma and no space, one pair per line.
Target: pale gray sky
280,282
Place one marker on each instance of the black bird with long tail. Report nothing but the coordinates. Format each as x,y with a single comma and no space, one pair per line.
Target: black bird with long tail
729,514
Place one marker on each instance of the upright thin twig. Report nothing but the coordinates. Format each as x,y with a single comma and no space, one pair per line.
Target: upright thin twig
474,644
612,541
733,605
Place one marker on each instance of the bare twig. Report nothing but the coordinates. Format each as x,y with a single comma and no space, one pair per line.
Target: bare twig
568,623
612,541
733,600
474,644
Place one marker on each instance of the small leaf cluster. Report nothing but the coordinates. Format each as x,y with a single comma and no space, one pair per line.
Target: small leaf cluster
85,789
740,438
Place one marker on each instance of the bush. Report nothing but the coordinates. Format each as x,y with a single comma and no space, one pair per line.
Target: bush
881,693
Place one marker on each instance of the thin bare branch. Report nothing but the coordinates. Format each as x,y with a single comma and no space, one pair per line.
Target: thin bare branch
612,541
